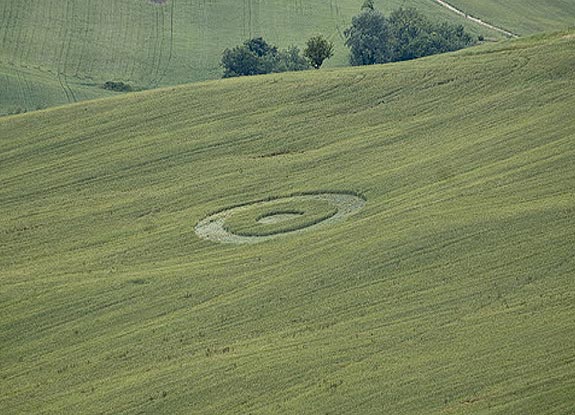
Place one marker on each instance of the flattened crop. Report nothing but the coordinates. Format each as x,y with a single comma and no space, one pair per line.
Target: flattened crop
266,219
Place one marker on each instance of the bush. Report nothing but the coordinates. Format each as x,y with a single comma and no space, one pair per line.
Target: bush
241,61
117,86
406,34
257,57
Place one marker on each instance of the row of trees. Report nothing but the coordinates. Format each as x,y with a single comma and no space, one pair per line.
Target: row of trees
256,57
372,38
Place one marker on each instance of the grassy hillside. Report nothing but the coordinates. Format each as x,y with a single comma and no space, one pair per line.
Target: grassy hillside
451,291
26,88
78,45
522,16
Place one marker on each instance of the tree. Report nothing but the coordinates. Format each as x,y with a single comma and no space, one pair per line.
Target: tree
291,60
253,57
260,47
408,28
317,50
257,57
406,34
415,36
240,61
368,38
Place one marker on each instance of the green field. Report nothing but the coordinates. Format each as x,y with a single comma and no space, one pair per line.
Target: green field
522,16
303,214
451,291
54,52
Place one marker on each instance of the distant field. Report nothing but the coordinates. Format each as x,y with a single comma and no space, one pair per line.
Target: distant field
26,88
451,291
74,46
522,16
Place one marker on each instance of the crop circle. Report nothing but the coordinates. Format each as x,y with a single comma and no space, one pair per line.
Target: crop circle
266,219
278,217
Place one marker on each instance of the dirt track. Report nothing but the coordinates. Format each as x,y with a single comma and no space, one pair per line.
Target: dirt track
474,19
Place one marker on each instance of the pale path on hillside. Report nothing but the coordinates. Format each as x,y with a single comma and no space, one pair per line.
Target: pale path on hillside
474,19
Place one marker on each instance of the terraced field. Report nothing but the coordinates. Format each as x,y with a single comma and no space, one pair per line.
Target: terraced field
54,51
451,290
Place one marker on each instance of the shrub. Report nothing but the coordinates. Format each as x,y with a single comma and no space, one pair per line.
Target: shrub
257,57
117,86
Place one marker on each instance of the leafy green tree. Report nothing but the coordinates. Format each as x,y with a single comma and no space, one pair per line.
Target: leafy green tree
455,37
257,57
253,57
368,38
415,36
406,27
317,50
260,47
291,60
406,34
241,61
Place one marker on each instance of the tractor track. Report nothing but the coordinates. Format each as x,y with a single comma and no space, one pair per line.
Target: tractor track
63,58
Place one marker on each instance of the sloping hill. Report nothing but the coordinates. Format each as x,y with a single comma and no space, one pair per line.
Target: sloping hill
24,88
78,45
522,16
450,291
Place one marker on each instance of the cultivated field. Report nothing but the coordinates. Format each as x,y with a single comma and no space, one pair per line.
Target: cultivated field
451,290
522,16
54,51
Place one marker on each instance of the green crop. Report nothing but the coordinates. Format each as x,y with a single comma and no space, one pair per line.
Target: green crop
450,291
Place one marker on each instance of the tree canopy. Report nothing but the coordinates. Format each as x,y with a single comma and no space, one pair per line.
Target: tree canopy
405,34
257,57
317,50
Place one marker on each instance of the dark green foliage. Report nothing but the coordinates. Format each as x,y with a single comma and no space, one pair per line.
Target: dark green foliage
368,4
317,50
291,60
253,57
405,34
117,86
260,47
414,36
257,57
368,38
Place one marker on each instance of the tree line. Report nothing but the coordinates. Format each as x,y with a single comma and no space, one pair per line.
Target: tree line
372,38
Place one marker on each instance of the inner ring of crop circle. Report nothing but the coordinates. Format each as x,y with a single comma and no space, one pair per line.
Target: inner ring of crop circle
213,227
278,217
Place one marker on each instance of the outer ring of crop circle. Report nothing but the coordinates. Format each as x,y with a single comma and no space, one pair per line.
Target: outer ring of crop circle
212,227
